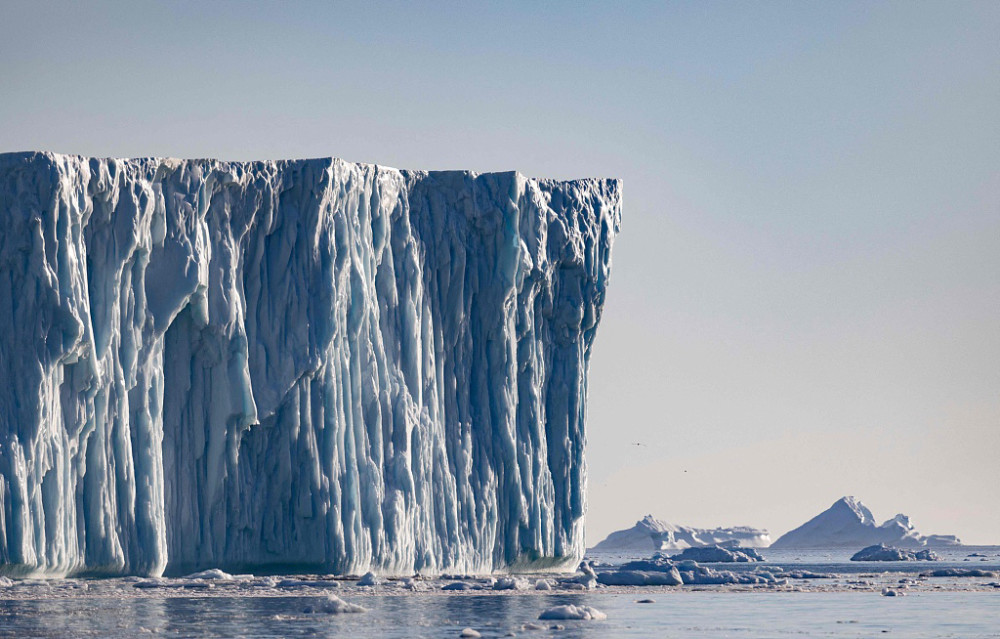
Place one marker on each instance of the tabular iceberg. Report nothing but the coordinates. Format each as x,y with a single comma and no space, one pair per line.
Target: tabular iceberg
654,534
311,364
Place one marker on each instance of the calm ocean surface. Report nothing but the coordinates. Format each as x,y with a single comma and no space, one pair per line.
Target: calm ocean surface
676,614
967,608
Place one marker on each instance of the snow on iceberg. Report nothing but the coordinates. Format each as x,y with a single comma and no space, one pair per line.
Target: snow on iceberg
718,554
881,552
848,522
650,533
334,366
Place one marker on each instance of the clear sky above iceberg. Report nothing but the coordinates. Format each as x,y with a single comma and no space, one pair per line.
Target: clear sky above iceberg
806,294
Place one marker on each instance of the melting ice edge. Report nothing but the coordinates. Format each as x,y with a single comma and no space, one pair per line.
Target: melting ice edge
312,364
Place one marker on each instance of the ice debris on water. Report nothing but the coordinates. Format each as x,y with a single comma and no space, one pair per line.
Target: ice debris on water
414,583
959,572
212,573
311,362
368,579
718,554
334,605
307,583
881,552
661,570
640,578
585,613
510,583
585,579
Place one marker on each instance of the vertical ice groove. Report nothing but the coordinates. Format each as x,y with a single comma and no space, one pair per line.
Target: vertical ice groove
313,364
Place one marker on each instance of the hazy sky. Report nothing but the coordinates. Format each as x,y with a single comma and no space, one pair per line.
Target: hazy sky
805,300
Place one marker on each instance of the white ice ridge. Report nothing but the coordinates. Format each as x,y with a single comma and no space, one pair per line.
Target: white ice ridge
311,364
651,534
848,522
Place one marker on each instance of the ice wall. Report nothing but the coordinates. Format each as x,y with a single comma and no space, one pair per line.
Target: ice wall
310,364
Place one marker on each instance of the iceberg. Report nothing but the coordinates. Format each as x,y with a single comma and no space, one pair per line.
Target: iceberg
311,364
654,534
660,570
881,552
962,572
848,522
718,554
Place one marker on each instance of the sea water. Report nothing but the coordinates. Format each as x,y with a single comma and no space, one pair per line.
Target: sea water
850,605
674,614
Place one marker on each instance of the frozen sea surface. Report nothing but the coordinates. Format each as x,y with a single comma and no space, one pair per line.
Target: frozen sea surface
672,614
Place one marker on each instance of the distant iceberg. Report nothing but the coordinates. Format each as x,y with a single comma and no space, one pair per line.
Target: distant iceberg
311,365
651,534
881,552
718,554
848,522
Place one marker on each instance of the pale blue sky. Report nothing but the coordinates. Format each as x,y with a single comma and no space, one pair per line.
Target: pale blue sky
805,300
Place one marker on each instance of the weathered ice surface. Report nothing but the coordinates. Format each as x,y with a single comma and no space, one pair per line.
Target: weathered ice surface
306,363
881,552
718,554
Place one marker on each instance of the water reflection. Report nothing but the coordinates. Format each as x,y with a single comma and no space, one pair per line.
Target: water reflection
118,613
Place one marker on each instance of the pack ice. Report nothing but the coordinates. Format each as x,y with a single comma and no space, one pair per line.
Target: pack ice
310,364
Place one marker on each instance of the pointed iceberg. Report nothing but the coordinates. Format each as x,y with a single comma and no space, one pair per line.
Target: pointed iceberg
848,522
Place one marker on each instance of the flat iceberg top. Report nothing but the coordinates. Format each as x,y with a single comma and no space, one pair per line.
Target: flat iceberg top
650,533
304,363
258,165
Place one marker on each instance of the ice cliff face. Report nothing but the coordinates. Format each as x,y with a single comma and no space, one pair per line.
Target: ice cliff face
313,363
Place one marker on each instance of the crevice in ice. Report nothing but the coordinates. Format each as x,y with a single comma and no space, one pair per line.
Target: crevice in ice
314,364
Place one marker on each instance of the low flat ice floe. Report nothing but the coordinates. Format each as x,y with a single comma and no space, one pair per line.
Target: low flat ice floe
881,552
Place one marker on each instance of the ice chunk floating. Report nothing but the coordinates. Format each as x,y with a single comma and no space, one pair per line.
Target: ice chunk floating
318,364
